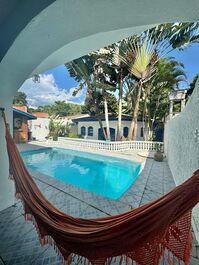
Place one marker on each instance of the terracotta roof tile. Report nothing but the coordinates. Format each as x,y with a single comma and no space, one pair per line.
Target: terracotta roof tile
41,114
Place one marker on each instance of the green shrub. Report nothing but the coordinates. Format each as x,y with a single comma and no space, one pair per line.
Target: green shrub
74,135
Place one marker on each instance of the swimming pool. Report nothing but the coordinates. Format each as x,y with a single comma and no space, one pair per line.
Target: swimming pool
104,175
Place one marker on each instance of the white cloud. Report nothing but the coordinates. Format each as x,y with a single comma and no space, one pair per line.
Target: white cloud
47,92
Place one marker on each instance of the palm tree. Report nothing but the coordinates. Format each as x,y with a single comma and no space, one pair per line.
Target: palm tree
118,53
88,71
177,35
82,70
155,104
141,59
100,81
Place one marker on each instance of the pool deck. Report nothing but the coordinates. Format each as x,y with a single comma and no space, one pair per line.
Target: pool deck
19,243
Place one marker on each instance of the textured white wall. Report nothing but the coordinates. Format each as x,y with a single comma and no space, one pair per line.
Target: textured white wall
182,145
6,185
39,128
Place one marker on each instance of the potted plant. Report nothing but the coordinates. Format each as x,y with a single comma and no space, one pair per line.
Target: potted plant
158,155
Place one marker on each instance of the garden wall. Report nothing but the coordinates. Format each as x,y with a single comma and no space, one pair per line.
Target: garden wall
181,141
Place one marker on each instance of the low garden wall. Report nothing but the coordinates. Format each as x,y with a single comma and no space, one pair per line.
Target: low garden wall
181,145
112,146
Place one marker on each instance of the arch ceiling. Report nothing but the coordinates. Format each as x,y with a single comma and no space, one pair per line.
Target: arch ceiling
38,35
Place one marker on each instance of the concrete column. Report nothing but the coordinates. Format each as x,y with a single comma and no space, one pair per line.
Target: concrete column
6,185
183,102
171,109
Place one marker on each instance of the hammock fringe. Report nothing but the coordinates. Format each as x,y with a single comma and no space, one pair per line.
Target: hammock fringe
166,255
169,259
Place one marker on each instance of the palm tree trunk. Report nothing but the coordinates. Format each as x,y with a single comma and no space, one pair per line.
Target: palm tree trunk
144,118
100,121
133,128
102,127
119,122
106,118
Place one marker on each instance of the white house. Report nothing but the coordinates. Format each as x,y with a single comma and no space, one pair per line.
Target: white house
40,126
69,119
89,127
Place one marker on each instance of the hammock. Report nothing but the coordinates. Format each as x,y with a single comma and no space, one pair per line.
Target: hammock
157,230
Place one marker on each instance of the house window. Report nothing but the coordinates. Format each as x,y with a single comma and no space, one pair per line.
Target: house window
90,131
83,131
17,123
125,131
141,132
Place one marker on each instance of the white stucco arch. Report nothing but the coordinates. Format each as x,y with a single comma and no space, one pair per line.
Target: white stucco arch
64,30
68,29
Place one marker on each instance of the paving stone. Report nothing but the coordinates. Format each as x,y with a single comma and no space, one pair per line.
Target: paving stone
50,192
19,244
24,250
68,204
109,206
41,185
10,213
91,212
132,200
149,196
48,257
13,231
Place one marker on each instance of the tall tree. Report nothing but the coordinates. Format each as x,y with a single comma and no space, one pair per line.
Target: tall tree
139,55
82,70
99,77
20,98
60,108
121,70
168,76
192,86
176,35
141,58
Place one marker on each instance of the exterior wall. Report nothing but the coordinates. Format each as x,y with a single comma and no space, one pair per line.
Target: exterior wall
74,128
6,185
182,144
24,130
112,124
39,128
139,137
20,133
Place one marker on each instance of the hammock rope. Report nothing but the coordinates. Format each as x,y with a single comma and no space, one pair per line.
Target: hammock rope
159,230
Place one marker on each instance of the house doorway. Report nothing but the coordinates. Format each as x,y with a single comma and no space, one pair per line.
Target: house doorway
101,136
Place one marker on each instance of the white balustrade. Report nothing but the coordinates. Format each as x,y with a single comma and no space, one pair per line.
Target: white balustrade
111,146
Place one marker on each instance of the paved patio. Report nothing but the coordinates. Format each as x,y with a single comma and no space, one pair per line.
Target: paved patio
18,239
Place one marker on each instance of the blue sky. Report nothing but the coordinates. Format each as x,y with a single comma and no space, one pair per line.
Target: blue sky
190,58
56,84
62,77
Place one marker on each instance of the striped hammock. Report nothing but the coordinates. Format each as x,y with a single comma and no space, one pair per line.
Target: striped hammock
159,230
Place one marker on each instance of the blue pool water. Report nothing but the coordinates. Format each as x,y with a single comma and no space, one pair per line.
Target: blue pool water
104,175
